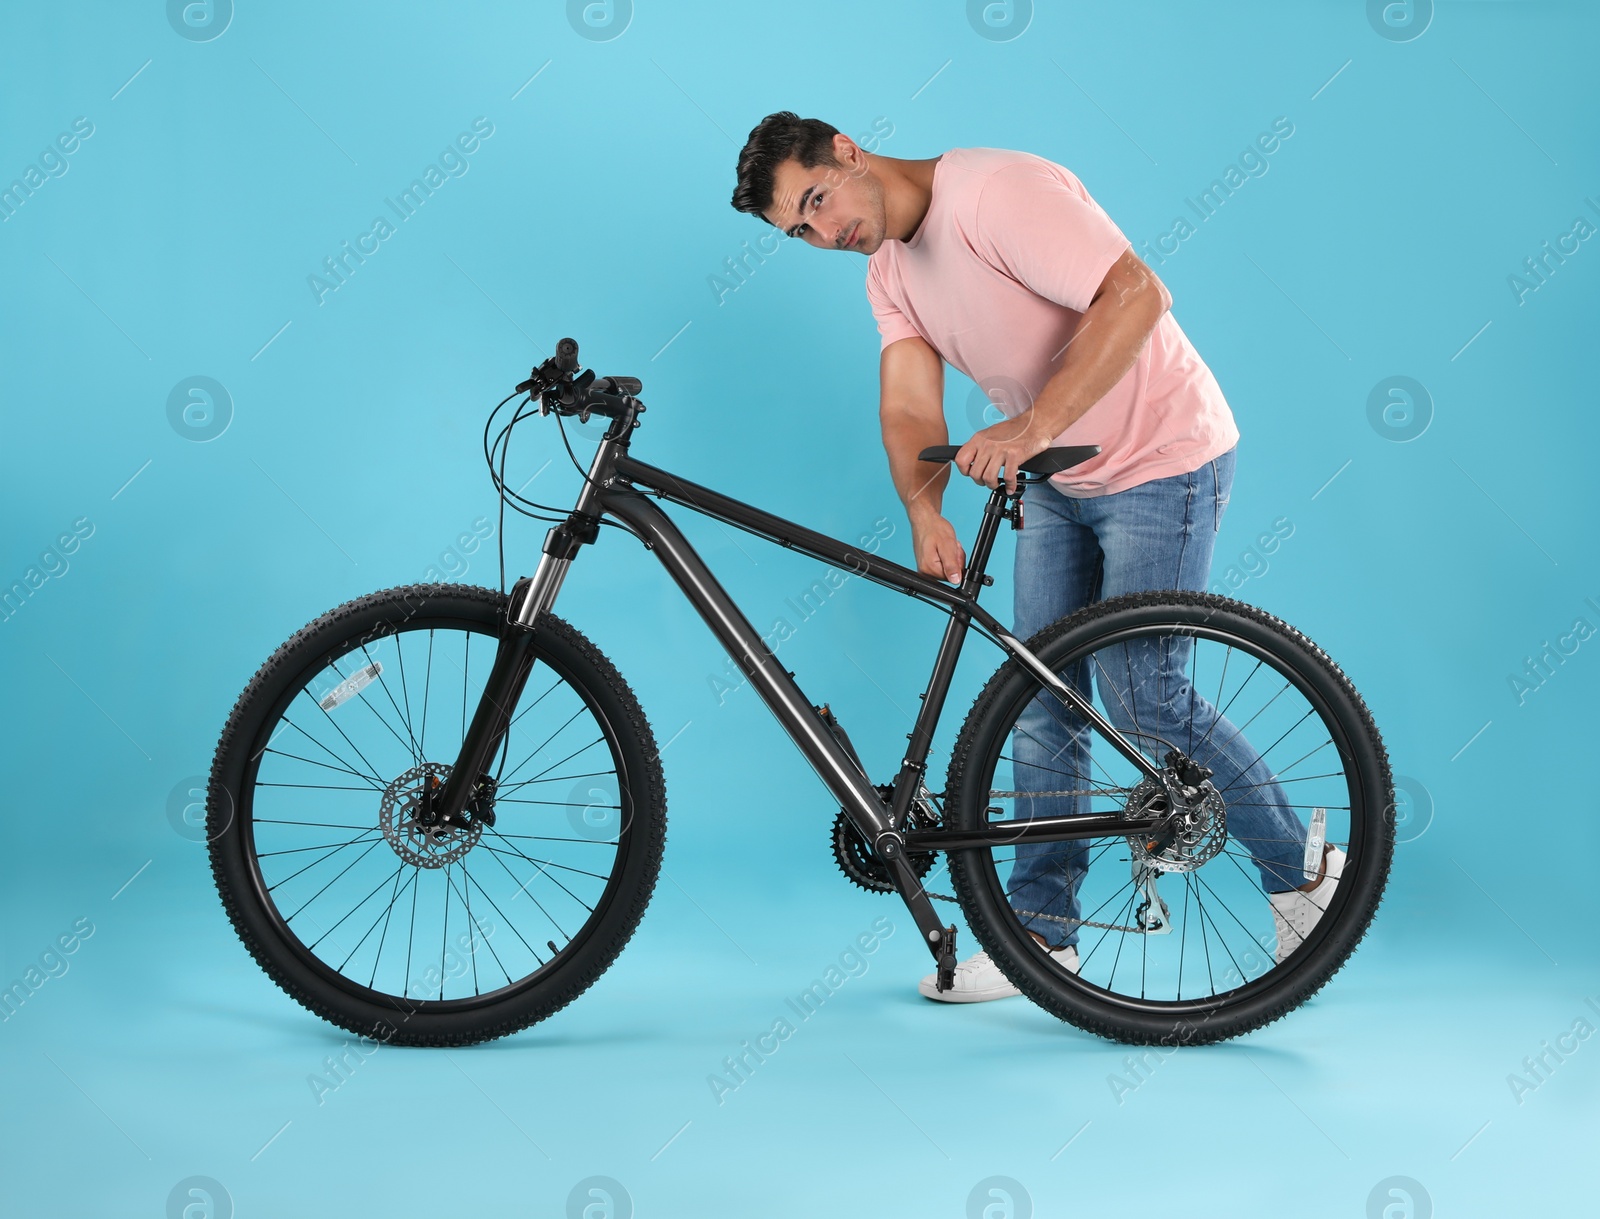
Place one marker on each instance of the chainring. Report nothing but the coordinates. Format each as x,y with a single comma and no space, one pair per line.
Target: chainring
864,867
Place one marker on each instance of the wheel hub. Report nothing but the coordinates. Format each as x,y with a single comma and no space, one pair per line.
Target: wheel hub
1193,826
414,829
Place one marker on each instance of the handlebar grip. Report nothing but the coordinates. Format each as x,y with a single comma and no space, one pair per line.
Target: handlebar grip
567,355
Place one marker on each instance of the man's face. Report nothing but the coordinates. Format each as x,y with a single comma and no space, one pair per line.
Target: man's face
833,207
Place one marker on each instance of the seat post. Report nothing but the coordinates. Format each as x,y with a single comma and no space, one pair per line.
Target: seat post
994,512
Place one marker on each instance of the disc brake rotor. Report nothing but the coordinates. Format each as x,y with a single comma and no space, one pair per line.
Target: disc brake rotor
1189,839
421,845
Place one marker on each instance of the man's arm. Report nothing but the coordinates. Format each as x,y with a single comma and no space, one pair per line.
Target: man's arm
1111,333
911,411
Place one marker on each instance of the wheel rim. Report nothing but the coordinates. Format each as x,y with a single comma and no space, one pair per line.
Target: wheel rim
1220,946
386,909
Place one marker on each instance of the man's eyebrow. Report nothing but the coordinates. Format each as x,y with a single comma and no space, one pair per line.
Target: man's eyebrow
800,209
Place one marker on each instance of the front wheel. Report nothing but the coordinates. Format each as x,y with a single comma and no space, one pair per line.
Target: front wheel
365,909
1238,911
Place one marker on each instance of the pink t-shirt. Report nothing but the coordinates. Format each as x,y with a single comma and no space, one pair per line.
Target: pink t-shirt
1010,254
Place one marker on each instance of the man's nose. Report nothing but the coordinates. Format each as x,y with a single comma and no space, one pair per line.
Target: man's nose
829,231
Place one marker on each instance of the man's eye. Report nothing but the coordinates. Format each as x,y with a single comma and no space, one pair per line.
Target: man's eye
800,231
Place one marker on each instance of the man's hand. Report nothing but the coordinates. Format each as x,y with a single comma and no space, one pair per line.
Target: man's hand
938,551
1002,447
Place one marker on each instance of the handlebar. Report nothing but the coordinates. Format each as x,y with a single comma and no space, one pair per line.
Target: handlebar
562,392
558,390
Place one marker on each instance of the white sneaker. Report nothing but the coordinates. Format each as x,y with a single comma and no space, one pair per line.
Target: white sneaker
978,979
1296,912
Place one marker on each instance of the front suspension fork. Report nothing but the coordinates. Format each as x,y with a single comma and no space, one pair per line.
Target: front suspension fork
513,663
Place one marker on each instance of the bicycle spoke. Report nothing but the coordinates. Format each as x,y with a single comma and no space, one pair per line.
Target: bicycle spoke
1310,711
369,774
1259,712
324,825
405,691
318,860
319,847
556,803
1183,939
326,787
1201,880
545,742
465,894
1222,681
427,687
547,863
1106,788
408,745
1087,749
534,703
373,770
371,786
411,938
324,888
393,876
541,865
444,923
1122,913
388,915
1205,943
523,888
531,950
1301,779
1222,712
588,774
405,722
1204,917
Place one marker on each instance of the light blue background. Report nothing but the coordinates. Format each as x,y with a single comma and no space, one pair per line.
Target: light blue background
1420,175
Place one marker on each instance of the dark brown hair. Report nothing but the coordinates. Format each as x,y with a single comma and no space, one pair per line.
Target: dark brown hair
775,139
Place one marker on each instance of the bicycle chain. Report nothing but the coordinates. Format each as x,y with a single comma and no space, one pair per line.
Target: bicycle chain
1053,918
998,795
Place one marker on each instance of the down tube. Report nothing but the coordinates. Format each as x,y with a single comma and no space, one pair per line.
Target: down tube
770,679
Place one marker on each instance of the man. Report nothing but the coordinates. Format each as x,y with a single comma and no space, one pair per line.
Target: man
1001,264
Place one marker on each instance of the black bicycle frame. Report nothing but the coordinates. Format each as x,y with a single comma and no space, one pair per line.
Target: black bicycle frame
613,488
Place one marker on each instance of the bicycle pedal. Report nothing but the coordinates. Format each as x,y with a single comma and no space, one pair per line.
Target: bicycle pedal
946,978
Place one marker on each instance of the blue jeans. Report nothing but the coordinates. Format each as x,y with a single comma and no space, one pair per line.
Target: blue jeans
1074,551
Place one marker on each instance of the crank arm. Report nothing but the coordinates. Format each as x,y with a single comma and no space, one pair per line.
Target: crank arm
939,939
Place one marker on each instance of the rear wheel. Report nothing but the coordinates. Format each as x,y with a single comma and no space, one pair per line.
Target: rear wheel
326,858
1178,940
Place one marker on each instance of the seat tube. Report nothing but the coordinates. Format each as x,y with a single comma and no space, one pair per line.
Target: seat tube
919,740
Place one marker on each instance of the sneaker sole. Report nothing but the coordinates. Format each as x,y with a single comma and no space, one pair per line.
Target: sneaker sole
928,991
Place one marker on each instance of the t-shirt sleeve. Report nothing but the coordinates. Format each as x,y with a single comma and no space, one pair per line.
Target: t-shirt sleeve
1038,230
893,325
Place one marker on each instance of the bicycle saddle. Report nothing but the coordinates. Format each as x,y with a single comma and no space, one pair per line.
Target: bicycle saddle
1051,461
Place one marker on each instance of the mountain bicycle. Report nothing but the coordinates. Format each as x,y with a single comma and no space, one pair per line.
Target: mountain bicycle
437,813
